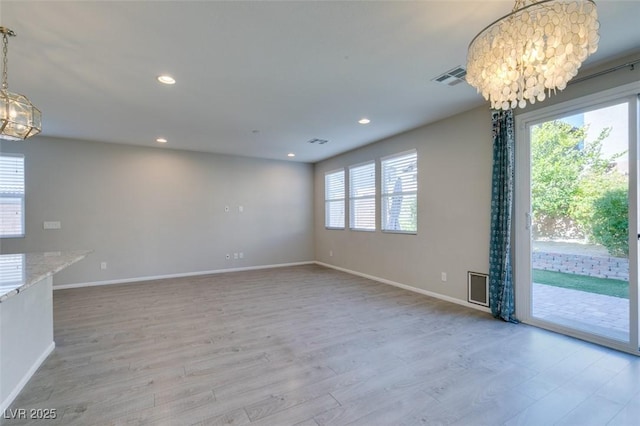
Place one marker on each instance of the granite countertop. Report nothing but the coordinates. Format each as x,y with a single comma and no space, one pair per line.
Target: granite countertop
20,271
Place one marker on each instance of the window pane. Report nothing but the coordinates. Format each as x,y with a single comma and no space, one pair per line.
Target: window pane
362,196
11,196
334,214
400,213
11,271
399,193
362,180
334,185
334,199
363,213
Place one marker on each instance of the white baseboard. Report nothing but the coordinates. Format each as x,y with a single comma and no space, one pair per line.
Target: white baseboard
4,405
408,287
181,275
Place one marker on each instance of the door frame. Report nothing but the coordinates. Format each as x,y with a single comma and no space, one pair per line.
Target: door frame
522,209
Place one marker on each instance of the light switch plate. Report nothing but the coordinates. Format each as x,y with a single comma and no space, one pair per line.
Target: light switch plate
52,225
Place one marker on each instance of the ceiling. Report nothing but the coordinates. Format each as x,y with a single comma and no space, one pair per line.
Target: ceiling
256,79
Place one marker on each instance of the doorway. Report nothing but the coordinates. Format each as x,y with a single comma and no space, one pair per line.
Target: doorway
576,240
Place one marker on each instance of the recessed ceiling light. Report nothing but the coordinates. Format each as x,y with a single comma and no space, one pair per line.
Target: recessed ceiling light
364,121
161,140
166,79
291,154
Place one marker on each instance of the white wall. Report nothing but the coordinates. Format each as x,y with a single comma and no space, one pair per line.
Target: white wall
154,211
454,199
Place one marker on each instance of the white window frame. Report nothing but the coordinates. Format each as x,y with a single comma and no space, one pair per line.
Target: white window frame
20,195
360,193
387,193
332,199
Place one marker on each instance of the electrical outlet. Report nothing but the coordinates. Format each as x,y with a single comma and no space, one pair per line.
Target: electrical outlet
241,255
103,265
330,253
443,277
235,256
240,209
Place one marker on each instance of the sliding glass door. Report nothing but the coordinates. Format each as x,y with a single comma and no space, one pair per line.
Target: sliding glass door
577,218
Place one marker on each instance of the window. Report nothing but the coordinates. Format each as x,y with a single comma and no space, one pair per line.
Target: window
334,200
11,195
362,197
12,272
399,193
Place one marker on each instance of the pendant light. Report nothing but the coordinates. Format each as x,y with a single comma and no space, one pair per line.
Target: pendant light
530,53
19,119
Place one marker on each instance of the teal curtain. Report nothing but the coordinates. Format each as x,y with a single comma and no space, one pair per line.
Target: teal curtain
501,294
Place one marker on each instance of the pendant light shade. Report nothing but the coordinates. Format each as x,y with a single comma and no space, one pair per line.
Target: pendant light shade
19,119
532,52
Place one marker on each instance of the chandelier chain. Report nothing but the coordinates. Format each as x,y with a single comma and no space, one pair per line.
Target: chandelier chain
6,33
519,5
5,43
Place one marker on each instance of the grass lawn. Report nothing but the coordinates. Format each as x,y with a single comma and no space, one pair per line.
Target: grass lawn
605,286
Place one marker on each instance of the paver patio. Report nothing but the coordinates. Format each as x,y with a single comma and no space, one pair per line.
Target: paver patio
604,315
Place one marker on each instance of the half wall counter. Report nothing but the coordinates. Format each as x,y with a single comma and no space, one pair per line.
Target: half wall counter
26,315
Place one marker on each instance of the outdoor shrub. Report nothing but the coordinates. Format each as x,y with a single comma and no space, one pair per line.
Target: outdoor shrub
591,188
610,222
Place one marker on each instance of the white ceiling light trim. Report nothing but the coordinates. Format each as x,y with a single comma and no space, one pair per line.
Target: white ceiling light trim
166,79
538,47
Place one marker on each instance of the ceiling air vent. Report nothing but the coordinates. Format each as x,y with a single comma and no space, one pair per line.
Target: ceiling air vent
318,141
452,77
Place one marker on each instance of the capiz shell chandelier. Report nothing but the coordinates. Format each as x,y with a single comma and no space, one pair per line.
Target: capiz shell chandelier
533,51
19,119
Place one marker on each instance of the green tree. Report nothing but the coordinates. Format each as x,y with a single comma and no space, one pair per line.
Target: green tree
560,157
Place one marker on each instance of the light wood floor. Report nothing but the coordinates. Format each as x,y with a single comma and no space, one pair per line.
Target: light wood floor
312,346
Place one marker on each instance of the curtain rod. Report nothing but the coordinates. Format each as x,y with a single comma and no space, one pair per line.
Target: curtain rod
607,71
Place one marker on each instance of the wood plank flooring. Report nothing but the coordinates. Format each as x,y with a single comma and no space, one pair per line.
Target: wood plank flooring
311,346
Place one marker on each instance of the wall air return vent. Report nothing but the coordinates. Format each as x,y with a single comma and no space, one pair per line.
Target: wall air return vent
317,141
452,77
478,288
